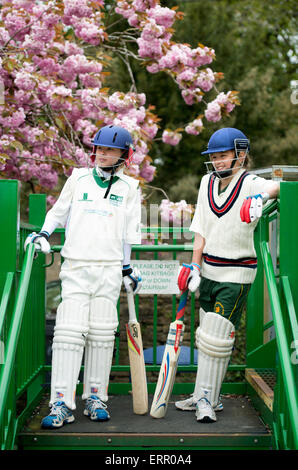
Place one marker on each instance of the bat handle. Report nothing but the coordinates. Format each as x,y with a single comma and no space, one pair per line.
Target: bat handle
182,305
131,307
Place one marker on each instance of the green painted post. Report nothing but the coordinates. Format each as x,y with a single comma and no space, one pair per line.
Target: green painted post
10,224
9,239
37,209
255,303
289,235
289,262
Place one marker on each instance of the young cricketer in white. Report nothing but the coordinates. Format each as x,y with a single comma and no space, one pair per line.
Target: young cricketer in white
224,261
101,210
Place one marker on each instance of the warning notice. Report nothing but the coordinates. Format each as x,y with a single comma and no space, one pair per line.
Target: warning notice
158,277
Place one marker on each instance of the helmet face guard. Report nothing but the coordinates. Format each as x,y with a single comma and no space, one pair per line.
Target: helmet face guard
114,137
240,145
127,160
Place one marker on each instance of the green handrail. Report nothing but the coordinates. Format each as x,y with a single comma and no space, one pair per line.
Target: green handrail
281,339
5,298
13,335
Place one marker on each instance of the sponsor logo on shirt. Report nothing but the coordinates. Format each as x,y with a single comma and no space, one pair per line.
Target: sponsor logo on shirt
100,212
116,200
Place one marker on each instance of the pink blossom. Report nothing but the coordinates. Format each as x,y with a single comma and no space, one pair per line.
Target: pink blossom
162,15
89,32
134,170
133,20
15,120
78,8
119,102
70,48
174,212
48,66
213,112
138,157
150,129
51,201
47,176
4,36
147,171
24,81
171,137
150,48
151,30
205,80
16,24
153,68
230,107
194,127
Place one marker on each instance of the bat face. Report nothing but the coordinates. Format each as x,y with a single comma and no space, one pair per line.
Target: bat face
168,369
137,368
133,338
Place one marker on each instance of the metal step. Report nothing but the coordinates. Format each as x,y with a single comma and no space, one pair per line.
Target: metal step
238,426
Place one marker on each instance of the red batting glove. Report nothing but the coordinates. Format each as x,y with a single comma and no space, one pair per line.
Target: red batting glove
183,276
252,207
244,211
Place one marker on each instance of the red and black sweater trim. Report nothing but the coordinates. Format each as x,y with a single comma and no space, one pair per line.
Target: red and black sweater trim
219,211
226,262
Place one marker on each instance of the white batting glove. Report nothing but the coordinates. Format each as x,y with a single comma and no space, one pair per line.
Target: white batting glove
131,278
40,240
189,277
252,207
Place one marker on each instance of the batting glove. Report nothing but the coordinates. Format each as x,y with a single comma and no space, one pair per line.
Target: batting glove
252,207
40,240
131,278
189,277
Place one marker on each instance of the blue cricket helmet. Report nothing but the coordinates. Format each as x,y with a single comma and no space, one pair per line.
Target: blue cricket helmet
227,138
113,136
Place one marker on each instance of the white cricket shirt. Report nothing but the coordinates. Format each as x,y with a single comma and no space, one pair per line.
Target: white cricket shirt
96,228
229,254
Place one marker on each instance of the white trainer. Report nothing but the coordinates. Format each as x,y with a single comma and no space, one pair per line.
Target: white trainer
190,404
204,411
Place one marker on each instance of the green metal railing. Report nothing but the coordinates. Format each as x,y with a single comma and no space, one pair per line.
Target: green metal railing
22,314
277,281
22,319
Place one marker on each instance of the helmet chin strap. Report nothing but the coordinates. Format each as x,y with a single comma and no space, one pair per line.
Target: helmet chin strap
226,173
111,169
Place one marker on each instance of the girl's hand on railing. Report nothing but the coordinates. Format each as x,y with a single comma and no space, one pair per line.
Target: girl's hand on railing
40,240
252,207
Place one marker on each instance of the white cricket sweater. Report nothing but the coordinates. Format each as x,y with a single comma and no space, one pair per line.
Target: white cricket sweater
229,254
96,228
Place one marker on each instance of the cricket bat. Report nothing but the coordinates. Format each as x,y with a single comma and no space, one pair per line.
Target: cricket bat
169,363
136,360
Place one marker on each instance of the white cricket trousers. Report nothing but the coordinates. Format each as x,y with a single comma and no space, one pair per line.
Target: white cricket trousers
86,321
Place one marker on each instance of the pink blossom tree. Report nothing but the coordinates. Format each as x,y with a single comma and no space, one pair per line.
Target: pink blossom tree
54,83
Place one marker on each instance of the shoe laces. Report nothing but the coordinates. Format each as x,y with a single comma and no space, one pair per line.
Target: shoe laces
204,403
59,409
95,403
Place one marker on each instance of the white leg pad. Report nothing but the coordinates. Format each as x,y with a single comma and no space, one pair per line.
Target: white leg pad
68,346
215,339
99,348
202,313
